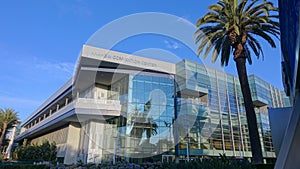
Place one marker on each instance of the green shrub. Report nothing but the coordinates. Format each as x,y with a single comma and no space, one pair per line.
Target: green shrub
221,162
43,152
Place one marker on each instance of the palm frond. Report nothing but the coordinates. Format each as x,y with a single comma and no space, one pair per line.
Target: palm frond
247,54
242,6
212,43
250,5
225,55
264,36
254,48
257,44
217,49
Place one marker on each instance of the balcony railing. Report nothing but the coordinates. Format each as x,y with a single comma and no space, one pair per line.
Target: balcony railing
89,103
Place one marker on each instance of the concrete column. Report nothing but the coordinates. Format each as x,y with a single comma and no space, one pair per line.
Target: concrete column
73,139
50,112
67,100
57,107
95,94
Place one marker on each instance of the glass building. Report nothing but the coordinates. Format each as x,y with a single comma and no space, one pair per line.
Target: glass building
125,107
223,126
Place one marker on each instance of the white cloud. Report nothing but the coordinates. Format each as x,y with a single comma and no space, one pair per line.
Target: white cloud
171,44
63,67
23,66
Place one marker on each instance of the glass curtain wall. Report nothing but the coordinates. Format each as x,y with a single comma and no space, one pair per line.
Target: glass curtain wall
144,131
219,123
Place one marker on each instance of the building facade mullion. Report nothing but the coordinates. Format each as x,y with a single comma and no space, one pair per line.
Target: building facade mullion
229,115
220,113
277,98
239,118
280,99
272,96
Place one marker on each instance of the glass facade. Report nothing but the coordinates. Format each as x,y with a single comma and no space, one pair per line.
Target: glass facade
145,128
198,111
217,130
223,128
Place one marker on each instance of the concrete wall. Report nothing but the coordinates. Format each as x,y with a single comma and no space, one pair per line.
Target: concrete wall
57,136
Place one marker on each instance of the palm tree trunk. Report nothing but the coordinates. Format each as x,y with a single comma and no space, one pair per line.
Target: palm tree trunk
3,133
250,113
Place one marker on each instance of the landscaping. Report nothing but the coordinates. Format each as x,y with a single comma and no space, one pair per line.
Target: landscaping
221,162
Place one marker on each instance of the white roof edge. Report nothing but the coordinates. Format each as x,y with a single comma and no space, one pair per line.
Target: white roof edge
50,99
127,59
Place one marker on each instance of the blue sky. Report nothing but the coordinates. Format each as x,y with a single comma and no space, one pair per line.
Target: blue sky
40,42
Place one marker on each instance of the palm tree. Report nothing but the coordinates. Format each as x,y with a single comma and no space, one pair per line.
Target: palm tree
232,26
7,118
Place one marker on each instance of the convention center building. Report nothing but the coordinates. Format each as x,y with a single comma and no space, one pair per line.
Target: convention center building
122,107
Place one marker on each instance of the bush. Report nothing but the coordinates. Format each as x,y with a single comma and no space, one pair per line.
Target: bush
221,162
43,152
